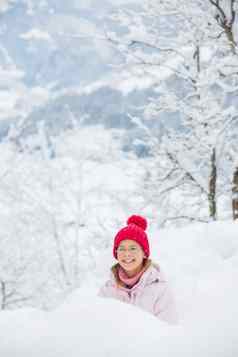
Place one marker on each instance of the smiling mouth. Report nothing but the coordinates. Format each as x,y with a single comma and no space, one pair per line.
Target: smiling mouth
129,261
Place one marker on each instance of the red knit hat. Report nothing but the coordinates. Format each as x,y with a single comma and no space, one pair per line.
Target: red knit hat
135,230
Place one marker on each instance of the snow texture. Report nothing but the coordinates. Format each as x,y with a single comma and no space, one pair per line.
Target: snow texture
202,264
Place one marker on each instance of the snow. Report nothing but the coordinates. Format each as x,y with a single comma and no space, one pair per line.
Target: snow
15,97
7,102
36,34
86,4
201,262
5,5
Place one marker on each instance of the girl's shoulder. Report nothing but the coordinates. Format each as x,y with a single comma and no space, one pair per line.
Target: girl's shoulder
154,273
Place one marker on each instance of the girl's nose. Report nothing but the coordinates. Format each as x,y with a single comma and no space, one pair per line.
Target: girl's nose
127,253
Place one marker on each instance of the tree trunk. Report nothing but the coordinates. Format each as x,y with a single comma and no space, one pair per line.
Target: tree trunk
226,22
212,187
3,293
235,194
231,39
59,253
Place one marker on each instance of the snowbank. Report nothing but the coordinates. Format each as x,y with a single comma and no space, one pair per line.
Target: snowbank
204,273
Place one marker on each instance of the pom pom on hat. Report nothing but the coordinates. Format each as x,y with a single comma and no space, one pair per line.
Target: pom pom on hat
138,220
135,230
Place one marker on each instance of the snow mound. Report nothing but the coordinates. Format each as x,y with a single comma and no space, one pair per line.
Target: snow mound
87,325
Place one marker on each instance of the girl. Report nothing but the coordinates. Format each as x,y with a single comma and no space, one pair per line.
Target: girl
135,279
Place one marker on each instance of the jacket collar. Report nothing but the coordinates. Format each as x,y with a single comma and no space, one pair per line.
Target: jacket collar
151,275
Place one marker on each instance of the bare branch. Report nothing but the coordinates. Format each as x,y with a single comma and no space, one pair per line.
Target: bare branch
218,36
220,10
233,13
188,218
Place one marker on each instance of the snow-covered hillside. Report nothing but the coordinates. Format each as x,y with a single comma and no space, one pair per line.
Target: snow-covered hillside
201,262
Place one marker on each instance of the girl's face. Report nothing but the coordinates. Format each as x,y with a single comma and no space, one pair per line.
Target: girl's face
130,256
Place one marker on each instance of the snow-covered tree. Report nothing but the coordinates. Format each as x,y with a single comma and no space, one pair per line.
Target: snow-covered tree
62,199
181,43
226,15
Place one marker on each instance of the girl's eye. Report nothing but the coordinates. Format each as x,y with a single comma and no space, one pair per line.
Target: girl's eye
131,249
121,249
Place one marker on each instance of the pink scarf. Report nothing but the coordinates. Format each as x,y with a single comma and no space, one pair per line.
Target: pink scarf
130,282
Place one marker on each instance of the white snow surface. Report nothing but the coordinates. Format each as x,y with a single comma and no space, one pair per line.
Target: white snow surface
36,34
201,262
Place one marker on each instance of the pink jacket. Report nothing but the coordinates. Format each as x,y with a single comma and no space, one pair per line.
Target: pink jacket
151,293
